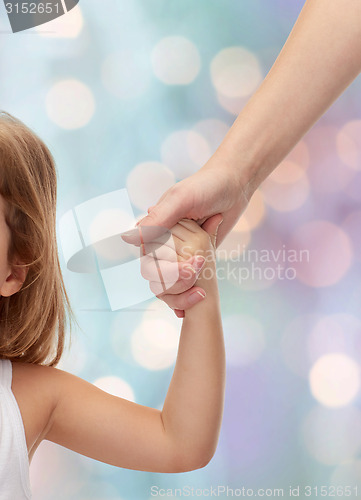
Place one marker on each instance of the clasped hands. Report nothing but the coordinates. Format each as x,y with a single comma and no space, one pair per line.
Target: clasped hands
172,260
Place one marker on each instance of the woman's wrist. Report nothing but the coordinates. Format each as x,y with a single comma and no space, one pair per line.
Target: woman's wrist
240,161
259,138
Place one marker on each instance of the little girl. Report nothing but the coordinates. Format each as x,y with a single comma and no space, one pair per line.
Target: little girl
39,401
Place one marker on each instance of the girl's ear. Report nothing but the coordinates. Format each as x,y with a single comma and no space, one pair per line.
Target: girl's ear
14,280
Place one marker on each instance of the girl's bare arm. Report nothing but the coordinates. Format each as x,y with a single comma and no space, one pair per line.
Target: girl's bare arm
81,417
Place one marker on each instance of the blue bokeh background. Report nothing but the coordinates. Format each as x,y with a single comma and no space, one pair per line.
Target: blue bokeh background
93,84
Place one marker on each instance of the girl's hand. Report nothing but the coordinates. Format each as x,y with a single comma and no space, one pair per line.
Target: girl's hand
177,255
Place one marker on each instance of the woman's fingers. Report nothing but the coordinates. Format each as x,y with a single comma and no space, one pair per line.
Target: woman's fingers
142,234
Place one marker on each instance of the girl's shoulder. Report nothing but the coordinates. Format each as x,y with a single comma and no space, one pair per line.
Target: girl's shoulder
33,388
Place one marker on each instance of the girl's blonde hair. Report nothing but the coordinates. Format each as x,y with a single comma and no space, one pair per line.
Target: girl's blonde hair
32,321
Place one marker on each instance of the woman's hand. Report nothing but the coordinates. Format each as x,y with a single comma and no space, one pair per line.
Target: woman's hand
217,188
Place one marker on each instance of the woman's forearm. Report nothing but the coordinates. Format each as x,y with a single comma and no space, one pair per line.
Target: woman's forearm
192,411
320,58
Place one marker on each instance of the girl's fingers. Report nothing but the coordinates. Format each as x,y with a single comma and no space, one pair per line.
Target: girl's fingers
185,281
166,272
183,231
162,252
185,300
173,249
151,239
191,225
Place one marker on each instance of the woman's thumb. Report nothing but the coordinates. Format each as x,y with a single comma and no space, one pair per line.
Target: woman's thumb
166,213
169,209
211,226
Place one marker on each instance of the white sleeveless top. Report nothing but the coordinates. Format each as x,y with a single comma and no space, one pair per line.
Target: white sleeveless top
14,462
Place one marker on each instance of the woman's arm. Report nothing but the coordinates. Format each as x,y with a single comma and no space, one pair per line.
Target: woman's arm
181,437
320,58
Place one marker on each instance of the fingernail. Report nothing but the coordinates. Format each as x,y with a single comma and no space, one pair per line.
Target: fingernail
130,232
196,297
198,262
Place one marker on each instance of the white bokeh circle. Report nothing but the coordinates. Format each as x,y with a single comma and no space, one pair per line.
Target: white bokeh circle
335,380
235,72
69,26
184,152
147,182
70,104
175,60
115,386
154,343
